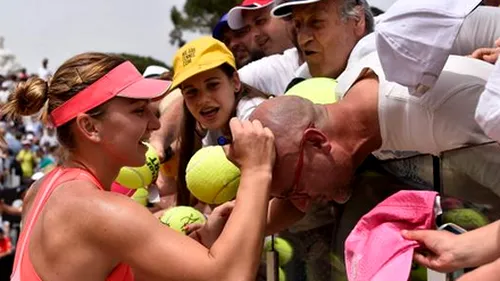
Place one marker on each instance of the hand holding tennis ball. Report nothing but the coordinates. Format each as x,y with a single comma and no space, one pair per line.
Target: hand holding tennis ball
212,178
210,231
252,145
180,217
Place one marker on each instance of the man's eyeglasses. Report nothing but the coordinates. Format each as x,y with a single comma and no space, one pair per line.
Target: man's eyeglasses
292,193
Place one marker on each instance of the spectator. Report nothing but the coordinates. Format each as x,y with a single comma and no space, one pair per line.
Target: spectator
27,159
5,244
22,75
49,137
239,41
269,33
43,71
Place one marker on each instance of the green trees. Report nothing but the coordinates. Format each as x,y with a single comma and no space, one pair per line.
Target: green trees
197,16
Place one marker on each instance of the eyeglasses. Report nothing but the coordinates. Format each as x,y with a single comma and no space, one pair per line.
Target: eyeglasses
292,193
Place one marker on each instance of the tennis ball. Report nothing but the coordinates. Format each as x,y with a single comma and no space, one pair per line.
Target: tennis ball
137,177
211,177
141,196
281,274
319,90
178,217
469,219
338,267
283,247
418,273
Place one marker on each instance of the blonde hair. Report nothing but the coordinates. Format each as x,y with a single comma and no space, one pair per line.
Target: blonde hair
71,77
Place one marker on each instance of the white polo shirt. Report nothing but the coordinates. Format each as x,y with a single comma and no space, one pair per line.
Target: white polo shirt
271,74
441,120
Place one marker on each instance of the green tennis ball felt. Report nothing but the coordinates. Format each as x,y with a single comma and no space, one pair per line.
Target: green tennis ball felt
141,196
283,247
281,274
211,177
469,219
178,217
319,90
336,263
418,273
137,177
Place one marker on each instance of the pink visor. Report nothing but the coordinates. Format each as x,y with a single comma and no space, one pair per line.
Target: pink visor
123,81
375,249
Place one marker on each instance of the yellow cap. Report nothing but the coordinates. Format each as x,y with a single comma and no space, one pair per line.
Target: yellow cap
200,55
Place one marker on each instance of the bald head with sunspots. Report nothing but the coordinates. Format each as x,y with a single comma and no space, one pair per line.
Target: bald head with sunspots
295,120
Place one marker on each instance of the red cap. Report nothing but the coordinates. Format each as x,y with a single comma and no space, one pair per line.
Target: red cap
235,20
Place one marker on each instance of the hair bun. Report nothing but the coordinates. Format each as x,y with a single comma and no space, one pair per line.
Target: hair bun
27,99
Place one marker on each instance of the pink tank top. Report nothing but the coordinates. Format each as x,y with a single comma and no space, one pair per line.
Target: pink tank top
23,268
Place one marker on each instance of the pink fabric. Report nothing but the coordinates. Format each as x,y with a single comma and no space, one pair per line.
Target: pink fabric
375,249
123,81
118,188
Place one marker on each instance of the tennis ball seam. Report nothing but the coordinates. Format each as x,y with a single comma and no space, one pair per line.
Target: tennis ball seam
193,165
140,177
236,177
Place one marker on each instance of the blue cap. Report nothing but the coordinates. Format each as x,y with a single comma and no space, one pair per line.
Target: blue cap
217,32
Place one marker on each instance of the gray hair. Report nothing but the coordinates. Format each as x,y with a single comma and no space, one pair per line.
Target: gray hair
349,11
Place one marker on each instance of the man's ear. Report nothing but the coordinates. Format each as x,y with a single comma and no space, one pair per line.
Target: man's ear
87,127
317,139
360,28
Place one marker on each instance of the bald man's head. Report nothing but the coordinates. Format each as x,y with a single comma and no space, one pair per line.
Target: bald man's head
287,117
298,126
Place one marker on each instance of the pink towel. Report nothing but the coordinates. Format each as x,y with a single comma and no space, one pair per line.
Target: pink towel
375,249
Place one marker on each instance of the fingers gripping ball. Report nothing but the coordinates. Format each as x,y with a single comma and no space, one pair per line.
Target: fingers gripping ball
178,217
467,218
211,177
283,247
137,177
318,90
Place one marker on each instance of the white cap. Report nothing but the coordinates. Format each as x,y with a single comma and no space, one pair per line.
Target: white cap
234,16
154,70
414,39
36,176
283,8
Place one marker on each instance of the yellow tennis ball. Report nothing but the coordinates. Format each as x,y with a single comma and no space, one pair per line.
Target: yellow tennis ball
137,177
283,247
141,196
178,217
211,177
418,273
281,274
469,219
319,90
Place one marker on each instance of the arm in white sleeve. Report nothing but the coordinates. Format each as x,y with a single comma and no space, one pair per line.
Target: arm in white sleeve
488,107
479,30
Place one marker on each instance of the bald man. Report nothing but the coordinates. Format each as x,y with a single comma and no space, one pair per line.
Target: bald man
320,146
